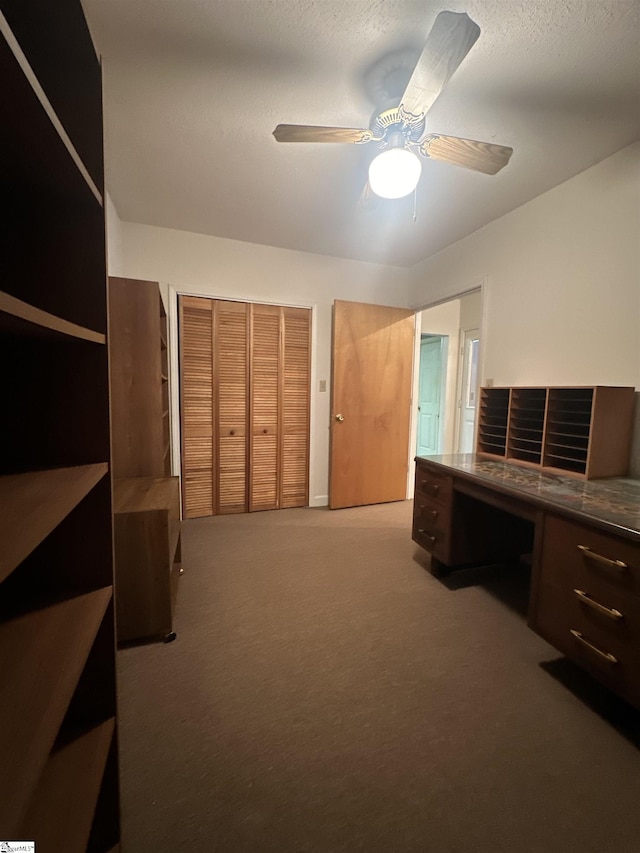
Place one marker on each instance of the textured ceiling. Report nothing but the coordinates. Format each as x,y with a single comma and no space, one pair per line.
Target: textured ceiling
194,89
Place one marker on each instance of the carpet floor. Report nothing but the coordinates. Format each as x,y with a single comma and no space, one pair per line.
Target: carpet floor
327,694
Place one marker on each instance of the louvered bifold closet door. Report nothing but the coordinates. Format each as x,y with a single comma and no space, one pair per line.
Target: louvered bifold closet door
295,379
197,406
265,407
231,381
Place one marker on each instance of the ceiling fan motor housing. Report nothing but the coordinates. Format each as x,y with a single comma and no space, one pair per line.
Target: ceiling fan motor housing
396,128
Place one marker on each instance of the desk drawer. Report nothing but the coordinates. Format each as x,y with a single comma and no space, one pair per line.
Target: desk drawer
601,641
588,602
432,485
431,513
432,527
574,555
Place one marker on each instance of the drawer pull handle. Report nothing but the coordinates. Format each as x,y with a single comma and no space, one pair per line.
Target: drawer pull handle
585,598
434,512
427,536
607,656
592,555
434,486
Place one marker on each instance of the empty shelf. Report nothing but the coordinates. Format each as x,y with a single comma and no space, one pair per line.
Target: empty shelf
33,504
66,796
42,655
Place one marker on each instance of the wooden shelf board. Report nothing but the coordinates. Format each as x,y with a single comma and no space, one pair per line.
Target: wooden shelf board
65,799
42,655
27,318
34,503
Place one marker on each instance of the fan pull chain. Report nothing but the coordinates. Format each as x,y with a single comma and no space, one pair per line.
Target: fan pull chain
415,203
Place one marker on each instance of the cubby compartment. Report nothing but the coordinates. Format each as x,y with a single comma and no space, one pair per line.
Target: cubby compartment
568,428
55,394
526,424
492,425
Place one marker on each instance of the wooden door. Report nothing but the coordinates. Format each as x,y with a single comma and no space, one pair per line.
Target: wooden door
245,396
197,406
430,394
230,389
371,403
280,396
294,423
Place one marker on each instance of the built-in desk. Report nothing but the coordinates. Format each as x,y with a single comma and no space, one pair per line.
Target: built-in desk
584,537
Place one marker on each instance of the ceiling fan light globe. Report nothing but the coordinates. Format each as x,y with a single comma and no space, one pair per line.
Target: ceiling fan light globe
394,173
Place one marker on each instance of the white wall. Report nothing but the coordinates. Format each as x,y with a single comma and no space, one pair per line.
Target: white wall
471,311
114,238
561,298
214,266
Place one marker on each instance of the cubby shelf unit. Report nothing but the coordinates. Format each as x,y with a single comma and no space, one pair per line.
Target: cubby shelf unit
583,431
58,731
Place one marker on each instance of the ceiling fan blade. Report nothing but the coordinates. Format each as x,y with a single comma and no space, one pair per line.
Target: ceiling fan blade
479,156
451,38
311,133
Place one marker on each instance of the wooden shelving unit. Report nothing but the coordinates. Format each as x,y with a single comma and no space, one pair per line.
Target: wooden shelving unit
584,431
139,378
146,497
58,740
148,556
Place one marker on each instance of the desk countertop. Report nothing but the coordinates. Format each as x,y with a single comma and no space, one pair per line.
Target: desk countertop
613,502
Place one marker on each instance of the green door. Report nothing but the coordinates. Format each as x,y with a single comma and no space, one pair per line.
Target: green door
430,394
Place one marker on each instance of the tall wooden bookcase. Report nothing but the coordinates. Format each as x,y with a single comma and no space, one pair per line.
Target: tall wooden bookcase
58,735
139,379
245,396
146,498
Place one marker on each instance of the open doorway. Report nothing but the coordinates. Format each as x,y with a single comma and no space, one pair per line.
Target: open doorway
458,324
468,390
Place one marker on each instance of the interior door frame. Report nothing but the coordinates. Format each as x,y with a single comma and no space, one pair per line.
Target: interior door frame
481,285
171,307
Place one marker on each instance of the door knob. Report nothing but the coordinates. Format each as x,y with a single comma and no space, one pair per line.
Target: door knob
340,418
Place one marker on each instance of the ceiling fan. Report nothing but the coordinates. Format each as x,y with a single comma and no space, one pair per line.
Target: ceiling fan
399,130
